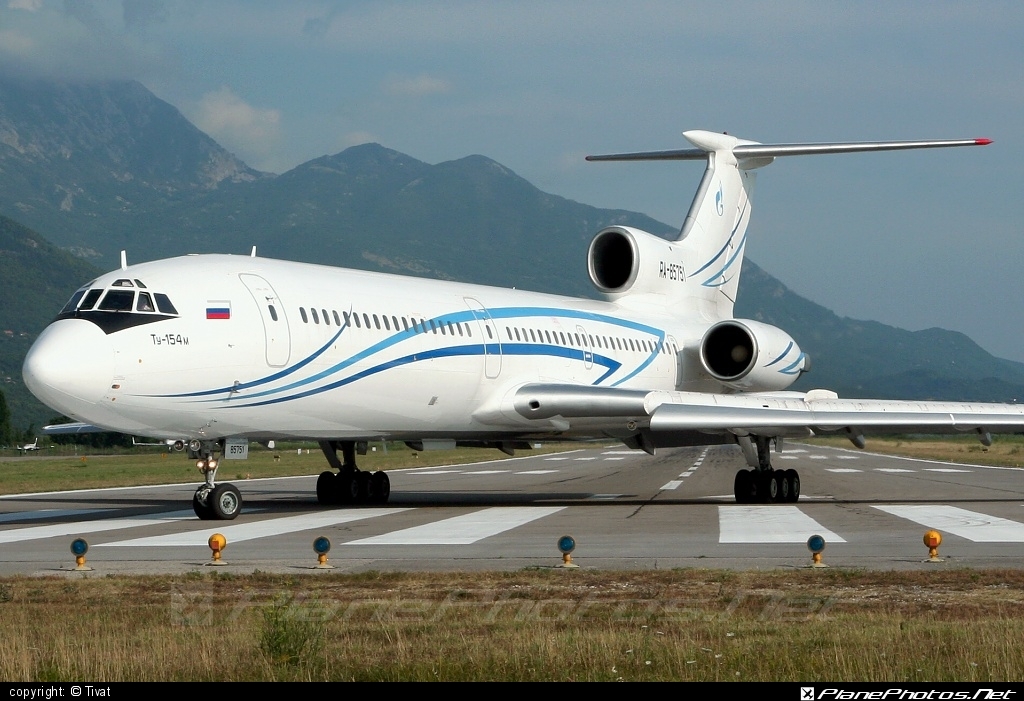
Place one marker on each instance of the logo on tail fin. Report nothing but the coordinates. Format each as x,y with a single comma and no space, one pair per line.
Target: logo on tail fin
718,200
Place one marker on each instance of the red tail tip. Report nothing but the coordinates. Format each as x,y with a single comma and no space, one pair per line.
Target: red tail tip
983,142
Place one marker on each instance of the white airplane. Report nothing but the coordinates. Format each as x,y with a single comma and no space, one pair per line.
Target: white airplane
222,349
34,445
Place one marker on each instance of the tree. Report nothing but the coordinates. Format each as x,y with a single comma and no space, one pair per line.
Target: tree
5,421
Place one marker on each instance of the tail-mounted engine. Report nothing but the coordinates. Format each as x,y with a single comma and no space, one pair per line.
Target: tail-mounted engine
751,356
622,259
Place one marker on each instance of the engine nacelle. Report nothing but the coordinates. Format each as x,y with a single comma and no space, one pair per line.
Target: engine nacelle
751,356
623,259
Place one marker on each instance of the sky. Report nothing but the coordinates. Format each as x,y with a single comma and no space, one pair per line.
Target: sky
913,239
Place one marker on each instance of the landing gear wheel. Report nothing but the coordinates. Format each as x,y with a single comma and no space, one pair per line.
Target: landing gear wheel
784,486
326,488
380,487
794,485
771,487
201,504
347,488
225,501
361,487
741,486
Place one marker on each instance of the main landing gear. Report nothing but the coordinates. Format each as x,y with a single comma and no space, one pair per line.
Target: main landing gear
764,483
220,502
349,485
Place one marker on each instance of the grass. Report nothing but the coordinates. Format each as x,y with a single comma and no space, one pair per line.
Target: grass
687,625
60,468
1005,451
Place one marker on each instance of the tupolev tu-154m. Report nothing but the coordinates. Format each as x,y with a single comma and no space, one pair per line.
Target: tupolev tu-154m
218,350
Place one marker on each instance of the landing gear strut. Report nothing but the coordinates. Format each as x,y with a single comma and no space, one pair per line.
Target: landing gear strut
349,485
212,501
764,483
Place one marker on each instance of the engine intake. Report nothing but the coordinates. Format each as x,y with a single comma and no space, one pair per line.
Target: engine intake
752,356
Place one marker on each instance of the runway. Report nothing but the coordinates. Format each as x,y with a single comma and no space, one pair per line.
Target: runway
624,508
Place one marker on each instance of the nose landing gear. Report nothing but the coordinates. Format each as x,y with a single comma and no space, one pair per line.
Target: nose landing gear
212,501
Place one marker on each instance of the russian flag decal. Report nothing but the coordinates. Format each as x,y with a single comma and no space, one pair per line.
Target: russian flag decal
218,310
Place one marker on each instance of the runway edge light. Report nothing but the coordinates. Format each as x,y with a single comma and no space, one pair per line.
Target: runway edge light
932,541
217,543
816,544
322,546
79,548
566,544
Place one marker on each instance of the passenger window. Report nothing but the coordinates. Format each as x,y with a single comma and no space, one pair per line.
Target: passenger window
118,300
163,303
302,313
489,334
273,312
387,326
394,321
316,318
376,322
366,319
433,328
405,324
337,319
145,303
327,319
355,317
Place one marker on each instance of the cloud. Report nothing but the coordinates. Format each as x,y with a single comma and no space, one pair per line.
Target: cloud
27,5
251,132
418,86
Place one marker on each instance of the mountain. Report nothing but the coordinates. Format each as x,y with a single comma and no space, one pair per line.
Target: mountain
100,167
81,161
36,279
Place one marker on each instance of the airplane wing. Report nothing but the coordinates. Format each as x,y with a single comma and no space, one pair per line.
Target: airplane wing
769,414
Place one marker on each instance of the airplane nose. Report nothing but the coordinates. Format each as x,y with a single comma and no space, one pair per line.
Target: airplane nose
70,366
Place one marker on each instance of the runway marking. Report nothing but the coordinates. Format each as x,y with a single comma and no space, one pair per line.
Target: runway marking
674,484
769,524
975,527
555,459
536,472
848,457
257,529
892,469
438,472
19,535
818,457
842,469
614,458
48,513
584,458
486,472
786,457
619,452
463,530
944,469
795,450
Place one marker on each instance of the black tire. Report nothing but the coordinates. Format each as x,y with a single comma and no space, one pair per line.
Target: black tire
225,501
794,485
771,487
361,490
784,485
327,488
347,488
741,486
203,510
380,487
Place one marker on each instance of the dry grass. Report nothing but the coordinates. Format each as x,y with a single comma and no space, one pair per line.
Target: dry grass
531,625
1005,451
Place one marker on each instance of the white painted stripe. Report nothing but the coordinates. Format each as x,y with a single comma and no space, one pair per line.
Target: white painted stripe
555,459
486,472
438,472
257,529
614,459
536,472
604,497
795,450
892,469
463,530
77,528
674,484
769,524
687,473
975,527
785,457
584,458
620,452
49,513
818,457
944,469
841,469
848,457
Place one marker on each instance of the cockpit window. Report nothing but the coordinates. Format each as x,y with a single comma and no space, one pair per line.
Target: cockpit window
145,303
164,304
91,297
122,283
138,283
118,300
73,302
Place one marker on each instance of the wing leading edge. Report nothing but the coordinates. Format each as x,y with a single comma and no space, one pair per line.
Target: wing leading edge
778,414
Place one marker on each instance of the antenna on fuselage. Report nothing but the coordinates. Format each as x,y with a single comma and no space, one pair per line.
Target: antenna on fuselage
124,259
252,253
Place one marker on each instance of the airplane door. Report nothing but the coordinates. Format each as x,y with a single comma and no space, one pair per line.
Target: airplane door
491,341
275,321
588,352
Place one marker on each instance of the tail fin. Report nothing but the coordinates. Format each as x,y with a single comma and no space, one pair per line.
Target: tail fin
714,232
